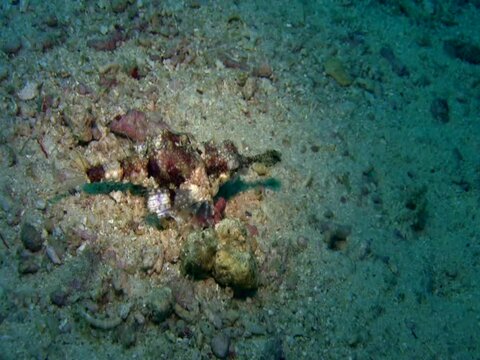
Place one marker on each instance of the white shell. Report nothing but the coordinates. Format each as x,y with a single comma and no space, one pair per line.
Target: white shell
159,203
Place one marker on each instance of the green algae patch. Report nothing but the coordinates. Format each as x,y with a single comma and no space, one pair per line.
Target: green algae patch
99,188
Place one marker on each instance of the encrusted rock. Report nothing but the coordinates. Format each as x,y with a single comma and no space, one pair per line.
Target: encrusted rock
233,233
237,269
235,264
198,253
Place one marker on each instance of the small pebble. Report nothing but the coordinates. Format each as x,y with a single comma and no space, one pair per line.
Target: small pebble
52,255
59,297
31,238
220,344
302,242
139,318
29,91
40,204
263,71
124,310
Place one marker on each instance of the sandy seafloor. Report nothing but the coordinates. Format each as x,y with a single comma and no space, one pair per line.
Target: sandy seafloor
368,250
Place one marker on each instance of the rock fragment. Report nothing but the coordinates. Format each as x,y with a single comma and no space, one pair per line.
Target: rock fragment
237,269
198,253
220,344
29,91
132,125
59,297
159,303
31,238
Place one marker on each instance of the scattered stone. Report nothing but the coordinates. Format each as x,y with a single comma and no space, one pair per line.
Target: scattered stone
335,68
159,303
184,314
80,121
102,324
28,264
231,63
463,50
263,71
29,91
12,45
119,281
152,258
249,88
132,125
198,253
253,328
124,310
31,238
139,318
52,255
220,344
40,204
126,335
59,297
108,43
440,110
